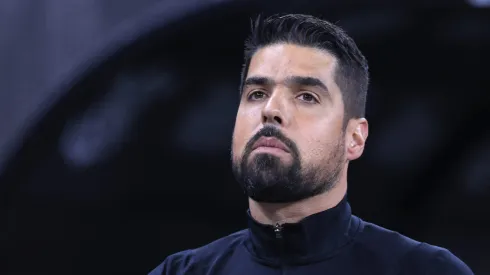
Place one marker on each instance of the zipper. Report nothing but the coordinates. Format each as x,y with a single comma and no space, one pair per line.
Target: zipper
278,231
279,238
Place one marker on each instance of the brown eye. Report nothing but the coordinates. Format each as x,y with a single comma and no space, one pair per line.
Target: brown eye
257,95
308,98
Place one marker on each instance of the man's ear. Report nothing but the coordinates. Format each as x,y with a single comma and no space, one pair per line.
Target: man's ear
356,136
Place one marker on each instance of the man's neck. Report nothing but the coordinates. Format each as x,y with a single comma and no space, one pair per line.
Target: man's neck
273,213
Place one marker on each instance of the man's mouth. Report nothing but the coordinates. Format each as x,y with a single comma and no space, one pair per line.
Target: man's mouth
270,143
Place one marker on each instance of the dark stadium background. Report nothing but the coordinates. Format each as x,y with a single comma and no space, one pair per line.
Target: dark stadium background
116,121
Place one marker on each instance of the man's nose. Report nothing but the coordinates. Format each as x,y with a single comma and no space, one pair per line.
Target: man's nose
274,111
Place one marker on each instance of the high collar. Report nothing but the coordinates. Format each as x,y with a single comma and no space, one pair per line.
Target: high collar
314,238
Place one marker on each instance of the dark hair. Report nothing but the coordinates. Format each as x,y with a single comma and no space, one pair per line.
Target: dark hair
351,75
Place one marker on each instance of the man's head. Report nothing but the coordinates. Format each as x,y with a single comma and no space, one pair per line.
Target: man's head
300,119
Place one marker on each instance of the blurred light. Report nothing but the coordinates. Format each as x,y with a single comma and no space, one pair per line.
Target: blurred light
480,3
97,134
207,128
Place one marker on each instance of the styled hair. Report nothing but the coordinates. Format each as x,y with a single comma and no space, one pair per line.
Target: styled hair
351,75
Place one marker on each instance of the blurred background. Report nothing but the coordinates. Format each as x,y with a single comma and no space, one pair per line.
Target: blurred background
116,121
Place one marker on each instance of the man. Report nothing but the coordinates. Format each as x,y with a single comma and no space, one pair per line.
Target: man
299,124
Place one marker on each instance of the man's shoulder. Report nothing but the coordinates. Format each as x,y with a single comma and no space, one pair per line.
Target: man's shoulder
436,260
377,238
410,256
183,261
221,246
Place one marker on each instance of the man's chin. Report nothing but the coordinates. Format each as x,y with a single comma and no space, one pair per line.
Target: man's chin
274,195
269,162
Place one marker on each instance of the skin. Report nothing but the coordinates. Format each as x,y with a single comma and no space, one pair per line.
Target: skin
310,115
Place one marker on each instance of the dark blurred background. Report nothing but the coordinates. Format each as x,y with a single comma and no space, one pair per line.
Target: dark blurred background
116,121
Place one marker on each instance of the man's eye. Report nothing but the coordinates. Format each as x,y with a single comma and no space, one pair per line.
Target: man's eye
257,95
308,98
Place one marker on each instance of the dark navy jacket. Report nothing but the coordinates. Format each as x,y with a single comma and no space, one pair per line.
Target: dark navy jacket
330,242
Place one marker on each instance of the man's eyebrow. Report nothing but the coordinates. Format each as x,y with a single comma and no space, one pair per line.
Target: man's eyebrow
306,81
291,80
258,81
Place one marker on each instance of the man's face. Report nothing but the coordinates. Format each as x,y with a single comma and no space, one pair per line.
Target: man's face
289,100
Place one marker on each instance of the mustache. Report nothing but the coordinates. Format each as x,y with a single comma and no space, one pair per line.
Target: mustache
271,131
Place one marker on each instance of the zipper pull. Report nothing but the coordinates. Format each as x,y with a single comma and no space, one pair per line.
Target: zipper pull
278,231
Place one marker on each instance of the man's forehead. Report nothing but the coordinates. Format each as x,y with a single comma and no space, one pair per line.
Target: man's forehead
281,60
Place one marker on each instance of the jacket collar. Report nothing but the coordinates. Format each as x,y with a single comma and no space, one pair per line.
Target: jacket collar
314,238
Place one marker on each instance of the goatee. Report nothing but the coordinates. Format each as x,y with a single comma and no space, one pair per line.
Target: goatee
266,178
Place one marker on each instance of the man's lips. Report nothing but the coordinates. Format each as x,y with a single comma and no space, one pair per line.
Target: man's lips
270,142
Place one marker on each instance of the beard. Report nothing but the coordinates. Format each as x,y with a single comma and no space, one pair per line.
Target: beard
266,178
